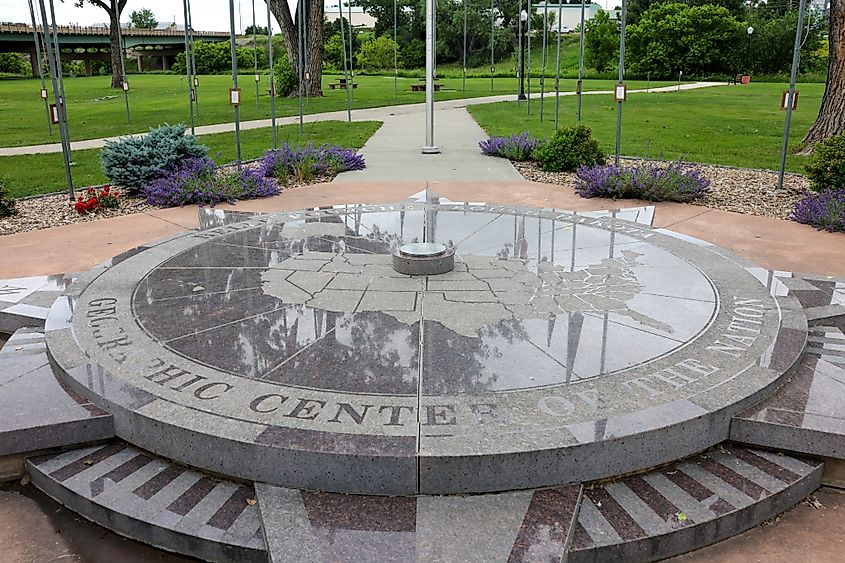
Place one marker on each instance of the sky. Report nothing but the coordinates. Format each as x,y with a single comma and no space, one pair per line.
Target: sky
208,15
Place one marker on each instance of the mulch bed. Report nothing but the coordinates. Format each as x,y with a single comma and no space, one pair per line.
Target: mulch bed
742,190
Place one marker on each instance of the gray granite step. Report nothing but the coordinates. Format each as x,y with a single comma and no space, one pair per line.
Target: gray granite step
689,505
641,518
153,501
532,525
807,414
38,412
25,302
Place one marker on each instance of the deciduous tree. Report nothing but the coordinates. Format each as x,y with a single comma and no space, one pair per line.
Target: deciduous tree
113,8
831,119
313,17
143,19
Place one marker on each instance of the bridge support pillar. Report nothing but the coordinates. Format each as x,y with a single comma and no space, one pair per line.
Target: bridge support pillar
140,60
89,71
33,60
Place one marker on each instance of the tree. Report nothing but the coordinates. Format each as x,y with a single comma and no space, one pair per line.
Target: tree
377,54
831,119
601,41
143,19
313,17
13,63
113,8
258,30
698,40
450,29
772,42
737,8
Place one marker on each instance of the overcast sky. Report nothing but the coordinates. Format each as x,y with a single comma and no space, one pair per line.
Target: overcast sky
208,15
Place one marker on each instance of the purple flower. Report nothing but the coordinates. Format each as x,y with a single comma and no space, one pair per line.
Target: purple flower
675,182
197,181
306,162
516,147
824,210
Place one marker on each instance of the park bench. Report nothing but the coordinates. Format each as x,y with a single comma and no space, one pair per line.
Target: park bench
341,84
421,87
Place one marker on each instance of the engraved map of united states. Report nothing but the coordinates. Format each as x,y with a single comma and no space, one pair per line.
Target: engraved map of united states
481,291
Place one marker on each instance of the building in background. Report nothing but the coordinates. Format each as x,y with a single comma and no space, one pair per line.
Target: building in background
570,15
359,19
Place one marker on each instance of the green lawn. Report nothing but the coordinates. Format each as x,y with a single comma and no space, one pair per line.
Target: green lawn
95,110
732,125
44,173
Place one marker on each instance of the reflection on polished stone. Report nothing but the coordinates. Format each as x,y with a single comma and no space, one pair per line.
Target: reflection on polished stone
572,300
557,340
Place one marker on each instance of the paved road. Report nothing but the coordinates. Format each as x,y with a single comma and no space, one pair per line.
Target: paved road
377,114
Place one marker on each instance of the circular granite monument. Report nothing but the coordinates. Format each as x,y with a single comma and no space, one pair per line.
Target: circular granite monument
561,347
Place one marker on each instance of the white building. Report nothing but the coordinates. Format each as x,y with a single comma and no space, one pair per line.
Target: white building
570,17
358,19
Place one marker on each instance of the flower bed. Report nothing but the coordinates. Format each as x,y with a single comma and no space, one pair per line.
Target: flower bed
676,182
288,164
516,147
197,181
824,210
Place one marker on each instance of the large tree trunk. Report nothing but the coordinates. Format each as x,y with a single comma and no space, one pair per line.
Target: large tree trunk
314,48
115,50
831,119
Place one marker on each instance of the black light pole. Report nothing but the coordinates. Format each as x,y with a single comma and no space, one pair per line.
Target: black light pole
750,30
41,66
55,62
188,75
523,17
272,75
235,79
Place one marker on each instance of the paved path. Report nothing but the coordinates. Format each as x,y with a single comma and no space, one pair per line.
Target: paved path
770,243
393,153
378,114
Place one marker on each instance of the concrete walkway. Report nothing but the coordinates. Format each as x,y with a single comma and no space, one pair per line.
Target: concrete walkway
377,114
770,243
393,153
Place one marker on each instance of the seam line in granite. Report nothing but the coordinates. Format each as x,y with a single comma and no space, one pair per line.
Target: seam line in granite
148,214
421,346
570,535
683,220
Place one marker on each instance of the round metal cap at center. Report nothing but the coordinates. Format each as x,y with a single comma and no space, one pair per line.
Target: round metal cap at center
422,249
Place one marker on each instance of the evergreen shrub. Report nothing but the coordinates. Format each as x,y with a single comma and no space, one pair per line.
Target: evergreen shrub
134,162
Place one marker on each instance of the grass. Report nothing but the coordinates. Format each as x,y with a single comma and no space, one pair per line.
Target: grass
44,173
95,110
730,125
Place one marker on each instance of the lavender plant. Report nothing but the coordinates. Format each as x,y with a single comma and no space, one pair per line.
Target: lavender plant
824,210
197,181
304,163
676,182
516,147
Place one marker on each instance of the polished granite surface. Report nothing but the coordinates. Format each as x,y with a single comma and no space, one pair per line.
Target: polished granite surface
557,332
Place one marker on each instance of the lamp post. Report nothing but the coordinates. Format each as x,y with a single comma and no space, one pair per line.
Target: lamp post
750,30
523,17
